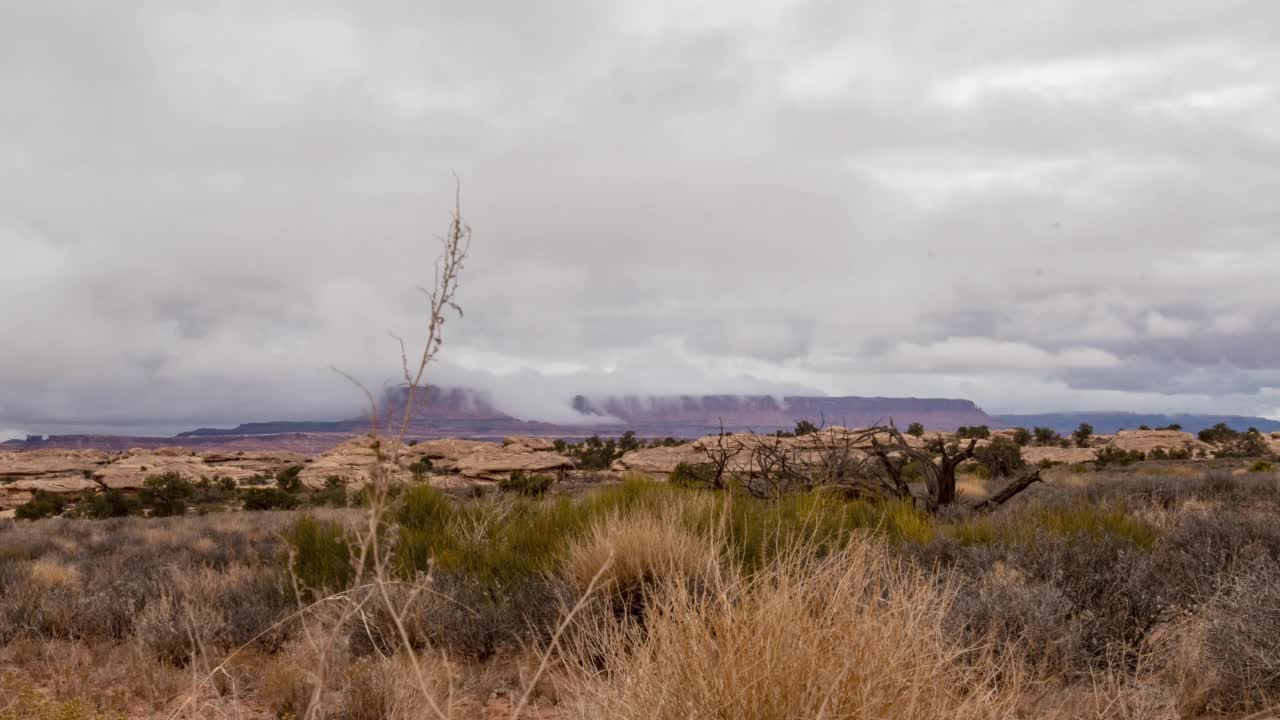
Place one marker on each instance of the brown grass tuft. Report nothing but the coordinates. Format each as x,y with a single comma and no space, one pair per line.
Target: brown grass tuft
852,635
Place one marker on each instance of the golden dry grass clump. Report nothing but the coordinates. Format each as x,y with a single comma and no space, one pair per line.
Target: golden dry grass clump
854,634
637,550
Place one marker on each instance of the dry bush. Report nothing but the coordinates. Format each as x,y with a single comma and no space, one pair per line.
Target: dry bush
852,635
112,677
1003,608
639,550
381,688
1226,657
177,630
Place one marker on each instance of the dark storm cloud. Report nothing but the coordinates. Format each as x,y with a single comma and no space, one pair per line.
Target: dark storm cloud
1042,205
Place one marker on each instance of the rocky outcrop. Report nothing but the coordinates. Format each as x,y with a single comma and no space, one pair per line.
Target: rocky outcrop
70,472
1146,441
1070,456
445,453
18,492
495,464
659,460
130,470
532,443
353,462
262,462
50,463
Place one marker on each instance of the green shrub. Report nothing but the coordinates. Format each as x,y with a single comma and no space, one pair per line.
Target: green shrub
1111,455
1001,457
1260,466
1219,433
693,475
976,432
108,504
1249,444
289,479
1082,434
269,498
1046,436
526,484
916,429
421,468
804,427
333,494
42,504
1076,522
1022,436
208,492
166,495
321,555
628,442
594,453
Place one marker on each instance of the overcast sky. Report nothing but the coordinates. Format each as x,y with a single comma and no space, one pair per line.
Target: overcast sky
1037,205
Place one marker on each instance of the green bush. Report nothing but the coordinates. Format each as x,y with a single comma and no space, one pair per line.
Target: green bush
1076,522
209,492
269,498
1001,457
1219,433
526,484
976,432
693,475
109,504
1022,436
166,495
289,479
594,453
321,555
421,468
333,494
1082,434
1046,436
1248,444
1260,466
1111,455
42,504
804,427
916,429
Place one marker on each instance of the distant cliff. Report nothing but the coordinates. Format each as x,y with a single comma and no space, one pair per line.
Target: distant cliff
1109,422
460,412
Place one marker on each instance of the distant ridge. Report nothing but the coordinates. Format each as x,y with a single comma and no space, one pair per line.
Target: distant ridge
460,412
1109,422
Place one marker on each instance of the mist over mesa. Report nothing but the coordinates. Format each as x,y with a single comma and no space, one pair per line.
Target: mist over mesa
1034,209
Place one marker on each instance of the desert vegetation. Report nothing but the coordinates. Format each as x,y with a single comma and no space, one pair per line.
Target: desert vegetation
1147,591
824,572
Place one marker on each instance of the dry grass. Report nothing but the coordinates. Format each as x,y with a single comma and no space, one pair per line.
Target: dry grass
856,634
49,573
639,549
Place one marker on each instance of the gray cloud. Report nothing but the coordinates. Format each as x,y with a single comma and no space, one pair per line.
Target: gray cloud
1048,205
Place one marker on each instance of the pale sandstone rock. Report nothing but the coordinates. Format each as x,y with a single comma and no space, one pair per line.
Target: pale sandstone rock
1070,456
533,443
13,494
494,464
659,459
445,453
262,462
49,462
1148,440
131,470
352,461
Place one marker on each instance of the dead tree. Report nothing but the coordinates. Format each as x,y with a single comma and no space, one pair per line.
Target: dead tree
937,462
871,462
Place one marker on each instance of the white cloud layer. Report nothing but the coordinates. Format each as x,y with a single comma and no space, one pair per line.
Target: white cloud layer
1042,205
